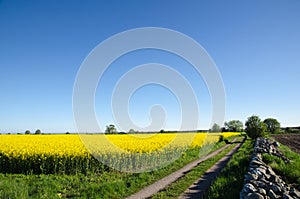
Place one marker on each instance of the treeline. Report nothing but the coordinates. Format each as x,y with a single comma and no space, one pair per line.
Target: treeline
290,130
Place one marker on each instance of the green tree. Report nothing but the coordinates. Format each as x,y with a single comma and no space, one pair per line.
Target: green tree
27,132
38,131
111,129
216,128
132,131
273,126
255,127
234,126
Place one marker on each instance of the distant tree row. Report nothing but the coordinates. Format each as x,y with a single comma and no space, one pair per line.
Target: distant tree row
231,126
38,131
254,126
291,129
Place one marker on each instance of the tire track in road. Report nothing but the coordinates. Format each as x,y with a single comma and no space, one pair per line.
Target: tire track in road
161,184
199,187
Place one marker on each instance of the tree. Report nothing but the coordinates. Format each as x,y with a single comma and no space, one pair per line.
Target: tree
273,126
27,132
255,127
38,131
111,129
215,128
234,126
132,131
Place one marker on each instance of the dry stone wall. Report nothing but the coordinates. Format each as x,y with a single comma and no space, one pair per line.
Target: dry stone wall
261,182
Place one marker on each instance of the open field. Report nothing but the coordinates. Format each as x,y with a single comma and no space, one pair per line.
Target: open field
89,178
27,163
68,153
290,140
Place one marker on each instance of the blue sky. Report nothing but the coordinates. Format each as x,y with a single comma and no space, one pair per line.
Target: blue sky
255,45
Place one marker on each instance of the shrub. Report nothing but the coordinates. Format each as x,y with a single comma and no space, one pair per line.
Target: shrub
255,127
221,138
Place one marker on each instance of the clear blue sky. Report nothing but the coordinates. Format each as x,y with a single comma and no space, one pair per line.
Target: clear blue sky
254,43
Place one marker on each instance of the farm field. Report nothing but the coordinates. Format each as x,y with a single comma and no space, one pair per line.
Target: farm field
290,140
59,166
68,153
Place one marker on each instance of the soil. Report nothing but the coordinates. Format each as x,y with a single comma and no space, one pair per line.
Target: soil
290,140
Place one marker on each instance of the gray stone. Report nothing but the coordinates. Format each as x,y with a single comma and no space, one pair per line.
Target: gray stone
267,176
276,189
276,144
294,193
272,195
283,187
258,184
262,184
265,181
275,178
253,196
270,171
286,196
258,156
261,170
249,188
252,177
255,162
262,191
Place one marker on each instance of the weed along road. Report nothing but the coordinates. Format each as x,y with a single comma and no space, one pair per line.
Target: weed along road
168,180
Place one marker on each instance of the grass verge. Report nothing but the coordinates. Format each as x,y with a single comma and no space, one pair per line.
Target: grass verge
110,184
178,187
289,171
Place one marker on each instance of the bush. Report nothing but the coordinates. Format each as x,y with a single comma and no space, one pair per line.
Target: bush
221,138
255,127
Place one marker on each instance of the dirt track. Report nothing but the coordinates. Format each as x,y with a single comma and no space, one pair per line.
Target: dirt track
199,187
290,140
164,182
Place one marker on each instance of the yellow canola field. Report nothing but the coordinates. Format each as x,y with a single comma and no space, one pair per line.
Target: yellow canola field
56,153
72,145
29,145
145,143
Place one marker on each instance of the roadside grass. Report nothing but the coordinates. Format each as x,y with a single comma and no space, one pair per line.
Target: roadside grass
289,171
230,181
179,186
111,184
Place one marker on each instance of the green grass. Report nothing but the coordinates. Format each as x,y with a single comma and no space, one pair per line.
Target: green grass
178,187
110,184
230,181
289,171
